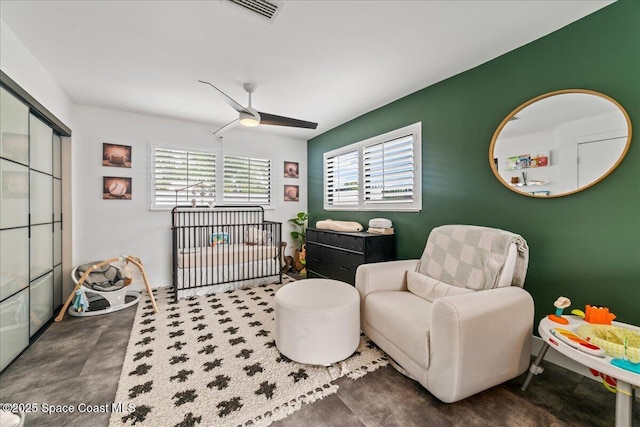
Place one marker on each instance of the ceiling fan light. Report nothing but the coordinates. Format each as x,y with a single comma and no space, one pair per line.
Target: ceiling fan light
249,120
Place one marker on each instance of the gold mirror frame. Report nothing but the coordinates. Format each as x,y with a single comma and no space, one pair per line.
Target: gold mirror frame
509,117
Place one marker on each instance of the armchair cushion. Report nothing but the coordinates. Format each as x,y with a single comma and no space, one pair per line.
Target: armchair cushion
430,289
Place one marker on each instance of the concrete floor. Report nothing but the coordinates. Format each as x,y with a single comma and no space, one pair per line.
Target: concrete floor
80,360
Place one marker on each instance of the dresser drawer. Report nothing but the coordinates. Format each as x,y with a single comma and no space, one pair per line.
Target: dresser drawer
318,258
337,255
319,236
348,241
344,265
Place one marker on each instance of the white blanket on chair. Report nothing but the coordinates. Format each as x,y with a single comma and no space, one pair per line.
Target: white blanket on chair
472,256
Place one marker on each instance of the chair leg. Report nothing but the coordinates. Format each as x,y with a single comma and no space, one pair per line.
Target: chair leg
395,365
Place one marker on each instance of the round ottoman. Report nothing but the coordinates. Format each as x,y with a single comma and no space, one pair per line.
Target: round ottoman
317,321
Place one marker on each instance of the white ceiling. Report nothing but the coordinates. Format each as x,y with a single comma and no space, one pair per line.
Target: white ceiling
322,61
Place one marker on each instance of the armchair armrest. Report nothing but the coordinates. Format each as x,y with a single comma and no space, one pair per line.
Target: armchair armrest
479,340
383,276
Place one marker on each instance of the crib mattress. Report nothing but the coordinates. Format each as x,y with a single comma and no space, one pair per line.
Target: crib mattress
212,256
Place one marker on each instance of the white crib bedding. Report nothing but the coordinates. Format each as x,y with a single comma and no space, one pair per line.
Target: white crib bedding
221,278
224,255
224,287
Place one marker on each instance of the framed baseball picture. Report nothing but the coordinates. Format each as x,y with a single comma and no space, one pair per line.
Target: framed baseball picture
116,188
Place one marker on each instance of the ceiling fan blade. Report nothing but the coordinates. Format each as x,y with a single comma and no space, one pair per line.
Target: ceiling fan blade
227,127
272,119
233,103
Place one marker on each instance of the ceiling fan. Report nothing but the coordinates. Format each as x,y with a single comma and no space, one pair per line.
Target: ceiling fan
249,116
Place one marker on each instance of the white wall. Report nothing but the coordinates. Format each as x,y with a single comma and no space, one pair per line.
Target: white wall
19,64
108,228
99,228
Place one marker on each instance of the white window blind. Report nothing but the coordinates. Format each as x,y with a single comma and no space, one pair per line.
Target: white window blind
380,173
247,180
342,179
174,169
388,171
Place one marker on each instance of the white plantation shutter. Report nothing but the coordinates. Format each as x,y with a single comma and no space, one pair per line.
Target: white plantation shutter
174,169
388,171
247,181
382,173
342,180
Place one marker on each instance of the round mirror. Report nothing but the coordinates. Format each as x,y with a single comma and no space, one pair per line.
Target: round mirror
560,143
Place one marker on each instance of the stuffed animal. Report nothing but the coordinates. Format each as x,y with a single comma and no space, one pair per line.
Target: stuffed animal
254,236
288,264
80,301
303,259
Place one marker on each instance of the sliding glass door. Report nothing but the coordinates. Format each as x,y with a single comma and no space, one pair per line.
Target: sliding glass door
30,225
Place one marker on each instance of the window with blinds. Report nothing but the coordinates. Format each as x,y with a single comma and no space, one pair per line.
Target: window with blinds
175,169
380,173
388,171
247,181
342,179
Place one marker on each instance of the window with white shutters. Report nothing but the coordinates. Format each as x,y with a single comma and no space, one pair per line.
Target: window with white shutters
247,181
175,169
342,179
380,173
388,171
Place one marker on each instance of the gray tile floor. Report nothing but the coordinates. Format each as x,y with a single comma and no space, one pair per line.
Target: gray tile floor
80,360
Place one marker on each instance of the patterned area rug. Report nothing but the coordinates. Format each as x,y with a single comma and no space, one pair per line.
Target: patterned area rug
212,361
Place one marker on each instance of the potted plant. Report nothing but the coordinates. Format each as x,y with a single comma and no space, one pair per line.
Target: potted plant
300,221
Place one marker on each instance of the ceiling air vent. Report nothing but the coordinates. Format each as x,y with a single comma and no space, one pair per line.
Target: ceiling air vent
266,9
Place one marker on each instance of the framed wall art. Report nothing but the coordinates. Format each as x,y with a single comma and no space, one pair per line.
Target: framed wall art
291,193
116,188
116,155
291,170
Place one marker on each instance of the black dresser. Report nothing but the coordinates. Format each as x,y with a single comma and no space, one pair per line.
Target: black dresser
337,255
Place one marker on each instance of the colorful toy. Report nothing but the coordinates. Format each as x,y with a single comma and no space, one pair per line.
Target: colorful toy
570,338
217,239
303,260
560,304
599,315
617,342
608,382
80,301
625,364
577,312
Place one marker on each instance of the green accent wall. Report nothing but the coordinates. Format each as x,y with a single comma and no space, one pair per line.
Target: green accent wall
585,246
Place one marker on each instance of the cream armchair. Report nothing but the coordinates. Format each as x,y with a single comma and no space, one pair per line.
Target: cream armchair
457,320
